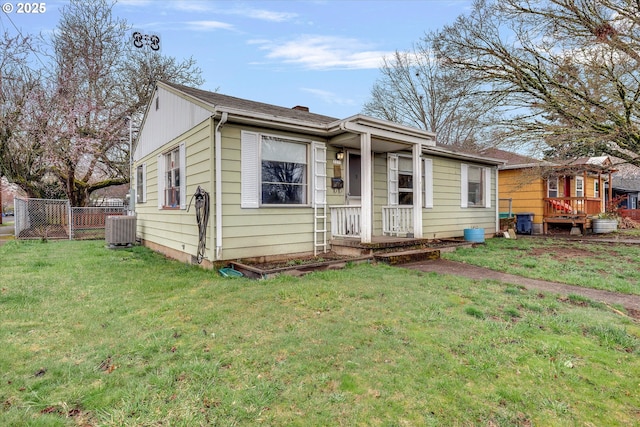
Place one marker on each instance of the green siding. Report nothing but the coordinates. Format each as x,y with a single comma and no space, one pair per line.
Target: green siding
266,230
446,218
177,229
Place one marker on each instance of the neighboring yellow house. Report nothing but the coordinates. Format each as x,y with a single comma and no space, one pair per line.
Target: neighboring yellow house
570,193
280,181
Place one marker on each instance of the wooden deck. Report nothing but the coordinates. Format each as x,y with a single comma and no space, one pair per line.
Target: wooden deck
577,211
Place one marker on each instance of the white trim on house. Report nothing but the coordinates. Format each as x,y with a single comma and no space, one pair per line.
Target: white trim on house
428,183
487,187
183,175
141,184
464,185
393,190
250,173
161,179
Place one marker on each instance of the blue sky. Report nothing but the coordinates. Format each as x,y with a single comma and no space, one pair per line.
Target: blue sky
323,54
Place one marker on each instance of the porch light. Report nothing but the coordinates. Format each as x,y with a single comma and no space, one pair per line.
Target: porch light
340,155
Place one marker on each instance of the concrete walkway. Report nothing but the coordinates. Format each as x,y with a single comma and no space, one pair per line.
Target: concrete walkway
442,266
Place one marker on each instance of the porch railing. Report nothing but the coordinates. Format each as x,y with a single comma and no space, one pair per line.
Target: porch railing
397,220
345,221
562,207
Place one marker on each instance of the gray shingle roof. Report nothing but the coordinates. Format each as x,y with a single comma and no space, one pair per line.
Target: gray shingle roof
220,100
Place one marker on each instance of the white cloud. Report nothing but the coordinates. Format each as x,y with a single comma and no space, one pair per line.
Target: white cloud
208,25
192,6
324,52
134,2
265,15
222,8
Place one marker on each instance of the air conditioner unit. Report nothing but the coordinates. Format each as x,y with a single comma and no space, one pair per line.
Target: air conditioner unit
120,230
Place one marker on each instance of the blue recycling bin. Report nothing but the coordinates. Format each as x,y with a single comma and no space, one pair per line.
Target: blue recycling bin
524,223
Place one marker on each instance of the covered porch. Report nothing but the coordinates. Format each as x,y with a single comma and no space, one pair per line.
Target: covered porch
359,141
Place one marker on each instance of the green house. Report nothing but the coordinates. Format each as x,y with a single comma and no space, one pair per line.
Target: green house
285,181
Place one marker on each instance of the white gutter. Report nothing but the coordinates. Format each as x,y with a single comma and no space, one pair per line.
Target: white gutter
363,124
217,142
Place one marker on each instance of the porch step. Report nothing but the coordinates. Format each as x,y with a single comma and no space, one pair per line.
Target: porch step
404,257
354,247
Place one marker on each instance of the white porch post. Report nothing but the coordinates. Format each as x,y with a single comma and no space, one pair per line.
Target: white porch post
417,190
365,187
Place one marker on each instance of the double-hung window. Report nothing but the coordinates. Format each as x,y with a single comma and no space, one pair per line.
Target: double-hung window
475,186
405,180
400,180
579,186
552,187
171,179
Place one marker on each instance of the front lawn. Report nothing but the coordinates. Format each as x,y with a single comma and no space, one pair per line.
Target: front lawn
92,336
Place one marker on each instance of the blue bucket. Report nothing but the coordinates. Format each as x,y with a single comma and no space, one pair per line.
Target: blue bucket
475,235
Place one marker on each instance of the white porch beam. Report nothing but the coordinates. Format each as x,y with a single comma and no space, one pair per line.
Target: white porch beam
417,191
366,183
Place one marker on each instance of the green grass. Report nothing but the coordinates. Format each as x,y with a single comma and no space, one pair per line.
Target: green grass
599,265
93,336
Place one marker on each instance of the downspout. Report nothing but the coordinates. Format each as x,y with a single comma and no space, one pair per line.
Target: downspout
217,142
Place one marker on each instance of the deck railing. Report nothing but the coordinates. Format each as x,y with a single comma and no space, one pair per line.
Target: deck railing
562,207
345,221
397,220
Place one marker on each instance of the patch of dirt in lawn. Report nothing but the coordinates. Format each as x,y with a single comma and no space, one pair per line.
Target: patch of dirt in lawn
563,254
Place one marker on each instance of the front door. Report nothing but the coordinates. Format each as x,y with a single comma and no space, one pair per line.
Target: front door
354,178
567,186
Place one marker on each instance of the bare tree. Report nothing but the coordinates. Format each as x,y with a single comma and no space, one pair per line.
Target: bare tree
569,70
66,129
416,89
24,121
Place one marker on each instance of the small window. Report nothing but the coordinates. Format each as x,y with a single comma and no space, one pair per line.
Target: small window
596,188
552,187
172,179
141,184
283,171
579,186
